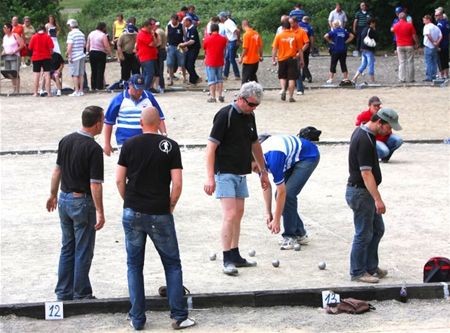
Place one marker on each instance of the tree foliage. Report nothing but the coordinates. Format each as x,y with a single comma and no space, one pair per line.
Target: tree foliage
37,10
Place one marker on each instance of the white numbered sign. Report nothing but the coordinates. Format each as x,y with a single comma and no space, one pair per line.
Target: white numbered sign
54,311
329,297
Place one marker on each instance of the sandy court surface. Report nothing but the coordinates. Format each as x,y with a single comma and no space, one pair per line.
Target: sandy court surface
390,316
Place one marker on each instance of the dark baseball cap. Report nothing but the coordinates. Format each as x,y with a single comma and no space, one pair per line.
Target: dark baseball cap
375,100
390,116
137,81
310,133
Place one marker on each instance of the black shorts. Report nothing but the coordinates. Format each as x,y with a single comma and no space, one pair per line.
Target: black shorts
288,69
443,58
45,64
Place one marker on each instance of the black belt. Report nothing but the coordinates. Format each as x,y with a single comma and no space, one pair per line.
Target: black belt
356,185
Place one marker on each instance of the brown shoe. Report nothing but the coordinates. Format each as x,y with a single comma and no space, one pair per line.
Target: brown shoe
380,273
366,278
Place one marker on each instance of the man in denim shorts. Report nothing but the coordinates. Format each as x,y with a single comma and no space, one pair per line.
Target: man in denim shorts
175,55
79,169
232,142
215,46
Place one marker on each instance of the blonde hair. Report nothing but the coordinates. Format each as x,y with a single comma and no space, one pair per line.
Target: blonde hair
337,23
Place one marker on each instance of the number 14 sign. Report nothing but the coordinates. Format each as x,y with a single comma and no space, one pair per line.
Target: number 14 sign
54,311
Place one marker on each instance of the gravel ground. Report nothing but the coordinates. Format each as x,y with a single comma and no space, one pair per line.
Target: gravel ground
389,316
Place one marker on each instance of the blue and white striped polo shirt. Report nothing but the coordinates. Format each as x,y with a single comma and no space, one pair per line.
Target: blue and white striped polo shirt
78,41
281,152
126,113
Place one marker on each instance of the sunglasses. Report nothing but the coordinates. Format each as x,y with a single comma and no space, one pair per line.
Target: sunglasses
250,104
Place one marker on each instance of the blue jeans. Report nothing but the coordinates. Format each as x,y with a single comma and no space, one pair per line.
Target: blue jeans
174,56
367,59
78,218
295,178
230,58
369,229
161,229
299,82
148,71
431,63
386,149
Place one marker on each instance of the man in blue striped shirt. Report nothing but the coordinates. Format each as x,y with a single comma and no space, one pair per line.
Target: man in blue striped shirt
291,161
125,112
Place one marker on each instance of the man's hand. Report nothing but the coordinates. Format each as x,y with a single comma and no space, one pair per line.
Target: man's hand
269,218
264,178
210,186
100,221
301,63
107,149
52,203
274,226
379,205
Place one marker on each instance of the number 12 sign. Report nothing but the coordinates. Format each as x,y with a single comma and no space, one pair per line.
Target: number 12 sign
54,311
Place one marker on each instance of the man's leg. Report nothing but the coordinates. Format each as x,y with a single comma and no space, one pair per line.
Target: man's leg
148,68
393,143
382,149
401,55
428,63
434,63
234,63
64,286
135,239
82,213
93,60
161,229
372,250
36,76
363,206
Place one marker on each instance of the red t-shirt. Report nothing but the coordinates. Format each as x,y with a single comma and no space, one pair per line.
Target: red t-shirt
404,32
18,29
144,51
214,46
363,118
42,46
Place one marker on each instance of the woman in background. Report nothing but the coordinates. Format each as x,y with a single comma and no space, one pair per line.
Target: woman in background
98,47
53,31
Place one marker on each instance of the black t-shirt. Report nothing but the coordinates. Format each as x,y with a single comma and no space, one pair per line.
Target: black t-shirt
81,161
192,34
174,34
363,156
149,158
57,60
234,132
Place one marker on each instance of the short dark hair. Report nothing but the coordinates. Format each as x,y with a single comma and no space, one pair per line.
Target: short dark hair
101,26
91,115
184,8
214,27
174,16
375,118
286,25
8,25
120,15
371,20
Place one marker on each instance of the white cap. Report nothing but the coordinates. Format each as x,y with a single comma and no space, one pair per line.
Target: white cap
72,23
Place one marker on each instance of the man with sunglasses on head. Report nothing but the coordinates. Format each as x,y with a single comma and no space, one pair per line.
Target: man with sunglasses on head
386,144
231,144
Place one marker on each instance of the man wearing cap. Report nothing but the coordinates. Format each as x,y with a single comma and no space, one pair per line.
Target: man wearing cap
291,160
126,52
363,197
406,39
79,170
76,42
386,144
125,110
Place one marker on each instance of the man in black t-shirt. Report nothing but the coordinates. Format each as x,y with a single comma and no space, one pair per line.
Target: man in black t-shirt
148,164
232,142
363,197
79,169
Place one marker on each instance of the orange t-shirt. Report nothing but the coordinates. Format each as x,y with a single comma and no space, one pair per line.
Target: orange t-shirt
252,42
18,29
287,45
302,37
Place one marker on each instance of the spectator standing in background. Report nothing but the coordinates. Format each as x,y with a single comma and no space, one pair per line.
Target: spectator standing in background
337,14
305,25
175,55
76,57
191,13
368,52
297,12
12,44
53,30
252,53
432,37
359,23
98,47
192,46
233,35
146,42
118,27
28,32
443,25
127,53
162,55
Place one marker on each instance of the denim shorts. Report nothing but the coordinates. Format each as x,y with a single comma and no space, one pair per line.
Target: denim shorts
214,74
77,67
174,54
229,185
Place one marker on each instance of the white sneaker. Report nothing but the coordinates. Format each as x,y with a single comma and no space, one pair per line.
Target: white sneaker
303,240
329,81
281,91
288,243
74,94
230,269
300,93
80,93
180,324
58,92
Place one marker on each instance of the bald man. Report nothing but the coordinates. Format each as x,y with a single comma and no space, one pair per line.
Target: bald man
148,164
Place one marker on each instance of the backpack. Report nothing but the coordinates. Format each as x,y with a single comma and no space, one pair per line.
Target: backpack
437,269
349,305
